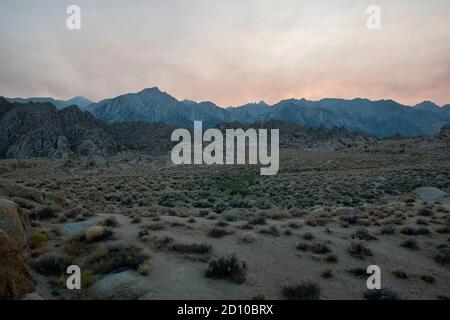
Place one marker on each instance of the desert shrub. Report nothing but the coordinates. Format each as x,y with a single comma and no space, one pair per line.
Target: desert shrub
359,250
428,279
272,230
248,237
38,239
202,203
421,222
443,256
97,234
358,272
388,229
172,200
116,257
44,214
425,212
331,258
383,294
400,274
194,248
230,216
87,279
220,207
308,236
422,231
162,241
443,230
51,264
258,219
320,248
222,223
110,222
294,225
227,267
350,218
218,233
144,269
191,220
136,218
327,273
410,244
302,246
304,291
408,231
363,234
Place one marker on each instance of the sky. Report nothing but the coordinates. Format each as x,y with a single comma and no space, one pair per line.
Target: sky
231,52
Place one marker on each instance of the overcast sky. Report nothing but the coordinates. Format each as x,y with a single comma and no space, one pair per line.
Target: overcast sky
227,51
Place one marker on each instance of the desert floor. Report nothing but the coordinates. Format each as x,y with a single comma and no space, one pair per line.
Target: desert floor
141,228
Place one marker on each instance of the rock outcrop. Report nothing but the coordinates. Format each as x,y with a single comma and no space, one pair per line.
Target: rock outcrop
41,130
15,277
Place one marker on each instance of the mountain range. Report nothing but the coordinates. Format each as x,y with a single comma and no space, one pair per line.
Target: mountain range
381,118
82,102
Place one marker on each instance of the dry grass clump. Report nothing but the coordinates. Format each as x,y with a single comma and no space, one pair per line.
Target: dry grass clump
144,269
359,250
383,294
44,214
52,264
410,244
38,239
388,229
218,233
363,234
193,248
308,236
227,267
272,230
247,237
98,233
327,273
110,223
358,272
331,258
320,248
399,274
116,257
304,291
428,279
443,256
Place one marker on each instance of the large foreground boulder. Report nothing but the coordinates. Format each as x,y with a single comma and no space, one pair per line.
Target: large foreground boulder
126,285
9,189
15,277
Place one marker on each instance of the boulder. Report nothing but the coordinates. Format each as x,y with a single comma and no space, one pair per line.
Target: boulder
430,194
15,278
126,285
15,225
15,230
9,189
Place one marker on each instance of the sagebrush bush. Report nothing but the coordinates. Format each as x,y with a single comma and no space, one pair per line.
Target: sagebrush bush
194,248
383,294
116,257
304,291
52,264
359,250
227,267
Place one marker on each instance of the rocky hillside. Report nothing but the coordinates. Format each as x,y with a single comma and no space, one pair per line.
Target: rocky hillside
300,137
41,130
